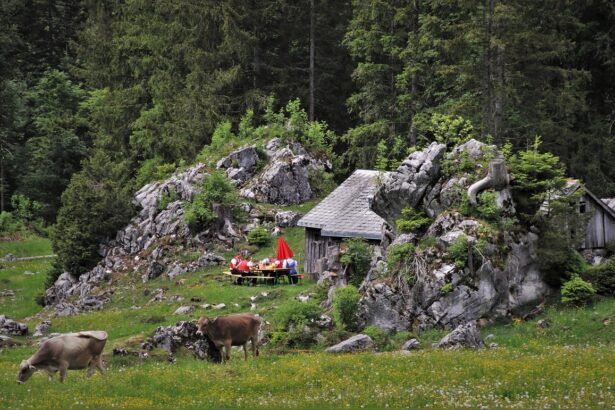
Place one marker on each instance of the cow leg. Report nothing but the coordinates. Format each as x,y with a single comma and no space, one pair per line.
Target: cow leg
63,369
50,374
91,368
99,364
227,347
245,351
254,348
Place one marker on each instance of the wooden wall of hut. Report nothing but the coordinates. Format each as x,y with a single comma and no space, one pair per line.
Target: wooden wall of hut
316,247
601,226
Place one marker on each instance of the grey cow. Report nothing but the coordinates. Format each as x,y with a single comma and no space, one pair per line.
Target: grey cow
71,351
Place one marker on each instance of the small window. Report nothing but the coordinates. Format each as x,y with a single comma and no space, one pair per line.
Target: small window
582,207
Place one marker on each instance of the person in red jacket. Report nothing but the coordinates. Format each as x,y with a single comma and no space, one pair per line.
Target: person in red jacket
244,269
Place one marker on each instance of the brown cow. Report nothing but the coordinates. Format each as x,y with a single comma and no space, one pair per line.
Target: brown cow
231,330
71,351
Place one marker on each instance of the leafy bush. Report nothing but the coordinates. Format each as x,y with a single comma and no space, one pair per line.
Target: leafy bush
215,190
602,277
487,207
345,306
577,292
295,313
400,259
535,176
153,169
259,236
412,220
379,336
9,224
443,128
96,203
458,251
166,198
357,258
321,182
447,288
290,319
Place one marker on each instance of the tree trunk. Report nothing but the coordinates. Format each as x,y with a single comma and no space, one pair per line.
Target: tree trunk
312,49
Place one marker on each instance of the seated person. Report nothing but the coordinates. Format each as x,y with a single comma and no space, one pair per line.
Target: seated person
244,269
234,263
291,265
264,264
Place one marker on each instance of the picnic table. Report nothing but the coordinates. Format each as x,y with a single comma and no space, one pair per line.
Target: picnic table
266,275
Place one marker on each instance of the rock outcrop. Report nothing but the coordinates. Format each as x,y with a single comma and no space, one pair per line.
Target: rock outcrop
496,271
145,245
285,180
11,327
357,343
183,334
465,335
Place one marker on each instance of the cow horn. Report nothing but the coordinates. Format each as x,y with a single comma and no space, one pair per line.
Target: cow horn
32,367
19,382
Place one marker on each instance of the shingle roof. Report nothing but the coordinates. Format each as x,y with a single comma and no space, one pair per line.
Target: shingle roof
346,211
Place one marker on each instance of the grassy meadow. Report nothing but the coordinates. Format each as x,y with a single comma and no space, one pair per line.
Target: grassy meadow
570,364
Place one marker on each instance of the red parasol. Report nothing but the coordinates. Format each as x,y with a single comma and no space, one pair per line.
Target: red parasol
284,251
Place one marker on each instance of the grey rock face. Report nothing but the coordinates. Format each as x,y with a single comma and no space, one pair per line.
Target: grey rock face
183,310
286,219
465,335
240,164
356,343
183,334
384,307
412,344
42,328
407,186
285,179
11,327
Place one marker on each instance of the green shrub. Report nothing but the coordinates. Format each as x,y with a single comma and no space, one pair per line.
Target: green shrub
357,258
290,319
380,337
321,182
215,190
345,306
487,207
447,288
427,242
458,251
602,277
412,220
400,260
154,169
577,292
259,236
9,224
166,198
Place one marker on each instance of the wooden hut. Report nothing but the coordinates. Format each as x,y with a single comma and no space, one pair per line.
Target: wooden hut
600,230
345,213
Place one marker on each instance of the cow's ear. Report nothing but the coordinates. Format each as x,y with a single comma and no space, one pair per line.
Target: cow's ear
32,367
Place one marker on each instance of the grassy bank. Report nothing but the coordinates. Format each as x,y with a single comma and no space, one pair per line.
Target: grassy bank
570,364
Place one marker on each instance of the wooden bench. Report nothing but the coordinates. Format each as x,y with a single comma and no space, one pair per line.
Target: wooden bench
267,279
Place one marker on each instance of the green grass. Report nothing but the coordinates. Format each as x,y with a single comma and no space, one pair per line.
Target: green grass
30,246
554,377
27,280
570,364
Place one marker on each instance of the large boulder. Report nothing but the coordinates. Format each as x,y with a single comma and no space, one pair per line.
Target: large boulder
286,219
407,186
183,334
384,306
465,335
284,181
240,165
358,343
42,328
11,327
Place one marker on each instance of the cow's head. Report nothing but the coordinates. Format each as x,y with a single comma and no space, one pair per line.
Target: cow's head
203,325
25,371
